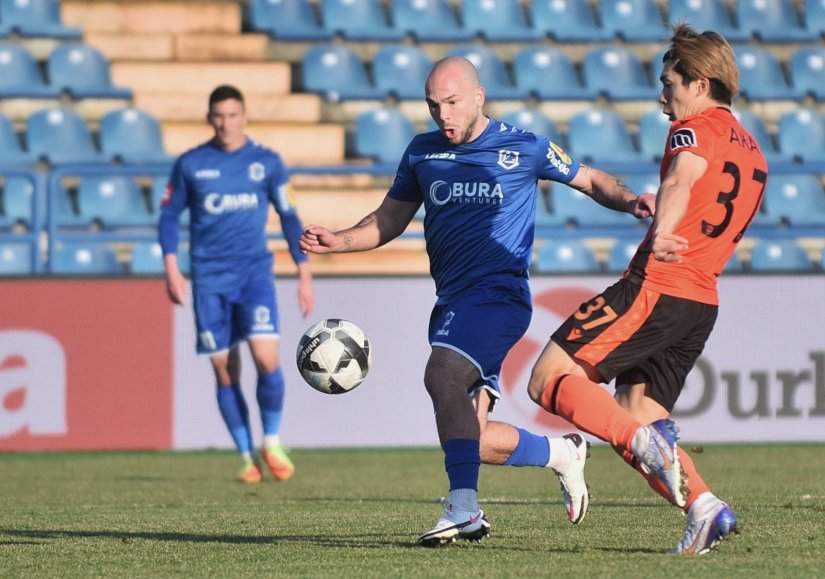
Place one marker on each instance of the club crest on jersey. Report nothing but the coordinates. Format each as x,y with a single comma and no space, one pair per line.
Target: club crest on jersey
508,159
256,172
682,138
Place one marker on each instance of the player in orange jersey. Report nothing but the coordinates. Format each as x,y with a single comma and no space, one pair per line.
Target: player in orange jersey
648,329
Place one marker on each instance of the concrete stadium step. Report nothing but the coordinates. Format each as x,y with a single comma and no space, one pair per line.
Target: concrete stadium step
293,108
153,16
161,47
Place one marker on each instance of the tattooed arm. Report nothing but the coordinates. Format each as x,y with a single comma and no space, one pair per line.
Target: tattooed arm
379,227
611,192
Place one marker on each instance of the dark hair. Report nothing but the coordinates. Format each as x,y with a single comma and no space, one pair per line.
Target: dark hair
225,92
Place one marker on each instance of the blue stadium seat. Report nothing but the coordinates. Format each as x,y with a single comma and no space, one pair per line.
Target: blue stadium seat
534,121
11,150
772,21
157,192
600,135
547,221
113,201
287,20
383,134
734,264
808,71
147,259
798,199
20,75
754,124
802,134
130,135
547,73
498,20
568,21
15,258
337,73
576,208
617,73
620,254
761,77
60,136
565,256
401,71
643,183
708,15
358,20
64,209
83,72
653,130
35,18
779,255
79,258
492,72
634,20
17,202
429,20
814,11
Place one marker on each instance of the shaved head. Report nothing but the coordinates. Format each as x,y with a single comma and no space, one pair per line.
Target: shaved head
455,99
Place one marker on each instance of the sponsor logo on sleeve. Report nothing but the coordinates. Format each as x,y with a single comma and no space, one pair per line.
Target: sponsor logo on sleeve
559,159
682,138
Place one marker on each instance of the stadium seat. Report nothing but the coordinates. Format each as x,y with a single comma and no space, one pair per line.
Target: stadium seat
113,201
547,73
17,202
548,222
60,135
617,73
534,121
83,72
754,124
814,11
492,72
64,209
401,71
802,135
147,259
708,15
734,264
287,20
358,20
808,71
35,18
761,77
772,21
620,254
337,73
779,255
653,130
634,20
79,258
568,21
20,75
565,256
11,150
643,183
498,20
600,135
15,258
383,134
799,199
130,135
577,209
429,20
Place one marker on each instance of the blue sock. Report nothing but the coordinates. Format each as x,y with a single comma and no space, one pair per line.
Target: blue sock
236,415
532,450
270,393
462,460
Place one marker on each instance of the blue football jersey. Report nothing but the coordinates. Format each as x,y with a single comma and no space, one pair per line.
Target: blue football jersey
479,201
228,196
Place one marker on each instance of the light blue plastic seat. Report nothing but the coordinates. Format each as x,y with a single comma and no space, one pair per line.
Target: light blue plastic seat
130,136
600,135
534,121
808,71
429,20
286,20
492,72
779,255
761,77
11,149
400,70
147,259
798,199
802,135
113,201
20,75
35,18
358,20
548,73
568,21
620,254
565,256
337,73
18,202
83,72
708,15
580,210
772,21
634,20
85,258
15,259
498,21
617,73
383,135
60,135
653,130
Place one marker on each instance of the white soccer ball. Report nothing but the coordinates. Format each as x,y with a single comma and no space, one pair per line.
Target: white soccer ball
334,356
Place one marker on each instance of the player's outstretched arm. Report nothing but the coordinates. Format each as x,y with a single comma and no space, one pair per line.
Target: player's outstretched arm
611,192
379,227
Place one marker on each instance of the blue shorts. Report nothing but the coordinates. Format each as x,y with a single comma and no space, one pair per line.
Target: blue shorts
482,326
224,319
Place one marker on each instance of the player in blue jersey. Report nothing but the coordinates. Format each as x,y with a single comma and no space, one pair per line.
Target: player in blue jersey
477,179
227,184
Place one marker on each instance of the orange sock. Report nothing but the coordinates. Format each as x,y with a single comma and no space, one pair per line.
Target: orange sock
591,408
696,485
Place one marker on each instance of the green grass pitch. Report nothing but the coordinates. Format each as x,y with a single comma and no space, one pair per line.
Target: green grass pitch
356,513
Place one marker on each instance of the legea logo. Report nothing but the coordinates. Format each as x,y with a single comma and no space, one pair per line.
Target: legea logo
32,383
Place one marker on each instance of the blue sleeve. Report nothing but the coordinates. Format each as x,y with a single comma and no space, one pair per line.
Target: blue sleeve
174,201
282,197
405,186
555,164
